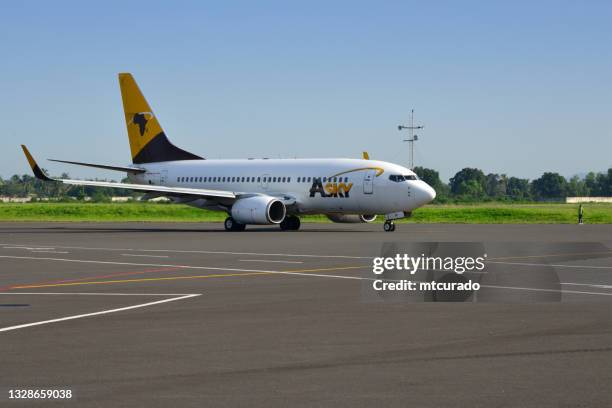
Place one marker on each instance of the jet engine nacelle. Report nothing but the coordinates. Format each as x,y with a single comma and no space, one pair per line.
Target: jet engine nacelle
258,210
351,218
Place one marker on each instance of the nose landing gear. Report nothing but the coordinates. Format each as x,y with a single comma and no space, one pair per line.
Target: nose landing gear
389,226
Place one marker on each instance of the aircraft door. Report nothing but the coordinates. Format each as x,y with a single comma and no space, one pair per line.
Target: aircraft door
368,182
153,178
264,181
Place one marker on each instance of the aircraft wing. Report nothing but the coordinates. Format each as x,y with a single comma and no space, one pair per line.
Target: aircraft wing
220,195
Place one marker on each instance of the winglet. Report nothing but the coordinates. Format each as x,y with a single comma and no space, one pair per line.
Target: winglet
37,171
366,156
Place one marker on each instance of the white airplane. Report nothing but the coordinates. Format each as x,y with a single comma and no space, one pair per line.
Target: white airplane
256,191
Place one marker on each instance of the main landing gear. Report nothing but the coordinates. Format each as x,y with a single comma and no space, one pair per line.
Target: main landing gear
290,223
230,224
389,226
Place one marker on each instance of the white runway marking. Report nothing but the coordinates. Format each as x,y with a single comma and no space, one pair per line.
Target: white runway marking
588,284
97,294
297,273
29,248
577,292
271,261
16,246
211,268
103,312
148,256
555,265
214,268
50,252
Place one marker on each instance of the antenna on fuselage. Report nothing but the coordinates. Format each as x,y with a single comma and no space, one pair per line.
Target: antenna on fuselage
413,137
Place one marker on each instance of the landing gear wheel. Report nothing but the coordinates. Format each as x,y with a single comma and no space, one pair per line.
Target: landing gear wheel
389,226
290,223
295,224
231,225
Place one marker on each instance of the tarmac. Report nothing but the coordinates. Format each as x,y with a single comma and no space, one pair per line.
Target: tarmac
158,315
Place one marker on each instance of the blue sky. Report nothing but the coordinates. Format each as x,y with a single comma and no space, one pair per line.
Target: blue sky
510,87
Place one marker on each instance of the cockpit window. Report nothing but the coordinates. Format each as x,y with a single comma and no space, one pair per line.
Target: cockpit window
399,178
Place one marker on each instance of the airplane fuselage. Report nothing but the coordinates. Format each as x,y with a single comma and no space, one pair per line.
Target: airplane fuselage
345,186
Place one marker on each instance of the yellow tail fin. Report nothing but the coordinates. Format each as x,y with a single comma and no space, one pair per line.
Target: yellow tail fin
148,142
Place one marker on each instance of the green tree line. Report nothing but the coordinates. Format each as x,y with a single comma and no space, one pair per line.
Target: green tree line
471,184
29,186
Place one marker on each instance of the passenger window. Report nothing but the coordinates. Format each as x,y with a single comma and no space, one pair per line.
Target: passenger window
258,179
288,179
309,179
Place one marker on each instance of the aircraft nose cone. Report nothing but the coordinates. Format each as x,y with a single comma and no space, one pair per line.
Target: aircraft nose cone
431,193
426,194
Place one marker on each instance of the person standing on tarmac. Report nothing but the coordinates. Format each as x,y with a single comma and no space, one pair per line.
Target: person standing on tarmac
580,214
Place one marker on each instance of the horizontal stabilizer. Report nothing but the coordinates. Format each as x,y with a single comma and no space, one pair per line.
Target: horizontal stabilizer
103,166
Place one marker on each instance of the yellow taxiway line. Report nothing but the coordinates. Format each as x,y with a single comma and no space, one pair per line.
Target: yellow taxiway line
222,275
